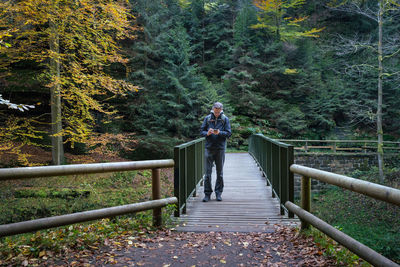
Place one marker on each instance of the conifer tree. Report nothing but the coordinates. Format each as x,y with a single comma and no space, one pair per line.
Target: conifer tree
169,105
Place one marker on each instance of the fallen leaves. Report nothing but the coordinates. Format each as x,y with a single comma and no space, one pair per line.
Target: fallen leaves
165,248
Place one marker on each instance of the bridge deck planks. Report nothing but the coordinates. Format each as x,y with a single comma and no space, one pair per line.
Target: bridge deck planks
247,204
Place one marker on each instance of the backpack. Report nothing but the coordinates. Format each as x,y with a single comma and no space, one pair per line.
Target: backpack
223,118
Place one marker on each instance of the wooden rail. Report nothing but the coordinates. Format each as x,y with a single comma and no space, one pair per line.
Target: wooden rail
342,146
384,193
53,171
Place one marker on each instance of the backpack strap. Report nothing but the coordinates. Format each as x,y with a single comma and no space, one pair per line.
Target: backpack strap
223,118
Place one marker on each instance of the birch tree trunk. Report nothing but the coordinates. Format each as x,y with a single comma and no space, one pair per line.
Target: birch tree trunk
57,149
379,109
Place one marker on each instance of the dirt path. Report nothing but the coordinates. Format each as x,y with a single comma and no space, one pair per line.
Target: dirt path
169,248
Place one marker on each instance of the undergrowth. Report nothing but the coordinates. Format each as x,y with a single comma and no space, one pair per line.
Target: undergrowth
331,248
372,222
45,197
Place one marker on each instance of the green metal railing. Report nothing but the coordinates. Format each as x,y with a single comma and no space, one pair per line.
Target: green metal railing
188,171
274,159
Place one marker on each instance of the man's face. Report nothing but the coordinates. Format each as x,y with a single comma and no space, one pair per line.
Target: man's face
217,112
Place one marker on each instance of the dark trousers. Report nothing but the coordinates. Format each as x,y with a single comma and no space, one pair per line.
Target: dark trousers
211,156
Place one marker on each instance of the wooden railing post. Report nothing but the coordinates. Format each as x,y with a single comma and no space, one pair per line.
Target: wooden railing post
305,199
156,192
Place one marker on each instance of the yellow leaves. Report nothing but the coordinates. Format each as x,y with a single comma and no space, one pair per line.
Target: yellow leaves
273,17
42,253
290,71
16,133
184,3
87,33
277,5
313,32
296,21
268,5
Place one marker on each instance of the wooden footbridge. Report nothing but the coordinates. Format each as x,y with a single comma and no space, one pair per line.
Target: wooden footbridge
256,186
247,206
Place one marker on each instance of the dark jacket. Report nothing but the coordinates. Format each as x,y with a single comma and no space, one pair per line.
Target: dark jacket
216,141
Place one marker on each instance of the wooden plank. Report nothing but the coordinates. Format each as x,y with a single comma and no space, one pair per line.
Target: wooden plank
247,205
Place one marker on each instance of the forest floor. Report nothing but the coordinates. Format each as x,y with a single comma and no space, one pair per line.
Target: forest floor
38,156
284,247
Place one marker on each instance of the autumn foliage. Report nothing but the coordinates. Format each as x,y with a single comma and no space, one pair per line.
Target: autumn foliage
87,36
274,17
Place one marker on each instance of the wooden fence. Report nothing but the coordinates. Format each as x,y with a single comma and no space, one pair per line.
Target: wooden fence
341,146
54,171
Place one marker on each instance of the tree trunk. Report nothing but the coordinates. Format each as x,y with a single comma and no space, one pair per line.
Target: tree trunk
379,109
57,149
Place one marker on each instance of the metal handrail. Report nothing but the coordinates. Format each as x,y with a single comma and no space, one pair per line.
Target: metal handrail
188,171
54,171
385,193
274,159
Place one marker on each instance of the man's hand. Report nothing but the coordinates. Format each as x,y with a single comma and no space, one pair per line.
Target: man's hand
210,131
216,131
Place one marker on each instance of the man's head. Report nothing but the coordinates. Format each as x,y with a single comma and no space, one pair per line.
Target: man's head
217,109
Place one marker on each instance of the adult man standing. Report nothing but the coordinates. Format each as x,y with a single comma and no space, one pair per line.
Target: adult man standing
216,128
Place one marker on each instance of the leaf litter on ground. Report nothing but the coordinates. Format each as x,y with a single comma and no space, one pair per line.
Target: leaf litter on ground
283,247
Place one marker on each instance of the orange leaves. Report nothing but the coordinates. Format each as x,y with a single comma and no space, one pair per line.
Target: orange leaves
111,144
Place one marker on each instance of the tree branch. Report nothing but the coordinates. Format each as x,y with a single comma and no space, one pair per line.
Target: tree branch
354,8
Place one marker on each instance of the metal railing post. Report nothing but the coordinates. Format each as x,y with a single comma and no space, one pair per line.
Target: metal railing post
156,192
177,185
305,199
185,178
284,178
291,177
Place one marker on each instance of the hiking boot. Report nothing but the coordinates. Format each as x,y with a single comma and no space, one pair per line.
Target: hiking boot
218,197
206,198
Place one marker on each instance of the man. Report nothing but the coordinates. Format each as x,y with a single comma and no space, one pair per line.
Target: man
216,129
